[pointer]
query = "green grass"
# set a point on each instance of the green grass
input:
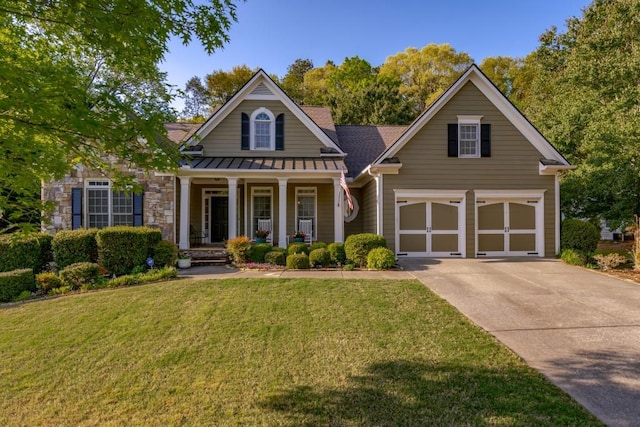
(264, 352)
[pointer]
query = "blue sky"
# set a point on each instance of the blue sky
(271, 34)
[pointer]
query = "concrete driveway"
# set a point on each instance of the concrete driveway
(581, 329)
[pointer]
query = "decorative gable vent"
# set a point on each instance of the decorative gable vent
(261, 89)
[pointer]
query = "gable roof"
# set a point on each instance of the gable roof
(481, 81)
(262, 87)
(178, 132)
(323, 118)
(364, 143)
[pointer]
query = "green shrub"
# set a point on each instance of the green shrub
(317, 245)
(13, 283)
(358, 246)
(298, 261)
(148, 277)
(275, 258)
(336, 251)
(20, 250)
(121, 248)
(165, 253)
(48, 281)
(579, 235)
(297, 248)
(611, 260)
(79, 274)
(348, 267)
(257, 252)
(381, 259)
(72, 246)
(319, 257)
(238, 248)
(24, 295)
(573, 257)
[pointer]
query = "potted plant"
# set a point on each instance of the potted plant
(298, 236)
(261, 236)
(184, 260)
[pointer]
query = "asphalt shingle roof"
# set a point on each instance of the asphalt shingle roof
(364, 143)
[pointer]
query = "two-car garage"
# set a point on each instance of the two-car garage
(446, 223)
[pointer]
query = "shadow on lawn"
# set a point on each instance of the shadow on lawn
(413, 393)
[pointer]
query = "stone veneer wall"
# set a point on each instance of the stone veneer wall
(159, 200)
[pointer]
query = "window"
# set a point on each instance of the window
(261, 202)
(106, 207)
(262, 130)
(306, 209)
(469, 136)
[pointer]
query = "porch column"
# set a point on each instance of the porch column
(380, 204)
(282, 212)
(338, 218)
(185, 200)
(233, 205)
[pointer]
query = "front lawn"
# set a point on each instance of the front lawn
(264, 352)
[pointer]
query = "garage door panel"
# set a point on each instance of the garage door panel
(444, 243)
(413, 216)
(522, 217)
(491, 217)
(413, 243)
(491, 243)
(522, 242)
(444, 216)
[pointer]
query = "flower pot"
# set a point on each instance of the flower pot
(298, 239)
(261, 240)
(184, 262)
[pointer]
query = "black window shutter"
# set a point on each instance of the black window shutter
(76, 208)
(245, 132)
(485, 140)
(280, 132)
(452, 140)
(137, 210)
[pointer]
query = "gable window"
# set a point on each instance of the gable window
(469, 136)
(263, 130)
(106, 206)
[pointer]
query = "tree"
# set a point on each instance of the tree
(316, 84)
(293, 81)
(222, 85)
(79, 82)
(196, 100)
(425, 73)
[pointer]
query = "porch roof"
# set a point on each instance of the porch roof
(297, 164)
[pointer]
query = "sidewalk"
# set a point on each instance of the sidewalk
(228, 272)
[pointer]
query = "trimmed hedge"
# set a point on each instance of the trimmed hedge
(317, 245)
(381, 259)
(319, 257)
(297, 248)
(275, 258)
(165, 254)
(336, 251)
(358, 246)
(122, 248)
(582, 236)
(298, 261)
(257, 252)
(79, 274)
(19, 251)
(72, 246)
(13, 283)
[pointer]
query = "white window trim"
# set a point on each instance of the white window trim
(253, 194)
(315, 208)
(272, 130)
(469, 120)
(98, 184)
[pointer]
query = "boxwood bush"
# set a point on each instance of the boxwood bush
(319, 257)
(358, 246)
(72, 246)
(122, 248)
(317, 245)
(257, 252)
(13, 283)
(298, 261)
(165, 254)
(381, 259)
(582, 236)
(297, 248)
(336, 251)
(275, 258)
(18, 251)
(79, 274)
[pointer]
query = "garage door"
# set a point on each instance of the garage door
(430, 224)
(509, 227)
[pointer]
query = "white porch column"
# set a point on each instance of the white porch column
(282, 212)
(338, 218)
(185, 201)
(233, 207)
(380, 205)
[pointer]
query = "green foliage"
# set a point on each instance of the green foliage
(319, 257)
(381, 259)
(297, 248)
(79, 274)
(348, 267)
(573, 257)
(293, 81)
(25, 250)
(72, 246)
(258, 251)
(47, 281)
(13, 283)
(275, 258)
(336, 251)
(358, 246)
(238, 248)
(580, 235)
(122, 248)
(222, 85)
(165, 253)
(317, 245)
(154, 275)
(24, 295)
(609, 261)
(298, 261)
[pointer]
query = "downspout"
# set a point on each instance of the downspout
(557, 213)
(379, 201)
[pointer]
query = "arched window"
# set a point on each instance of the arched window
(263, 130)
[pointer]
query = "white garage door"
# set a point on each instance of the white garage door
(509, 226)
(430, 223)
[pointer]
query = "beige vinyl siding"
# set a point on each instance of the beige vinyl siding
(513, 164)
(324, 210)
(225, 139)
(368, 208)
(355, 226)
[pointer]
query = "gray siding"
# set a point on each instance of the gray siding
(368, 208)
(355, 226)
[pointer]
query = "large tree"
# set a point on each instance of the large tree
(79, 82)
(222, 85)
(196, 100)
(293, 81)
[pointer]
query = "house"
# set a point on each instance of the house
(470, 177)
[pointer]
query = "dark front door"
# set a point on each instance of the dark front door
(219, 218)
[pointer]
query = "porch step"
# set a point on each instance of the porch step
(208, 256)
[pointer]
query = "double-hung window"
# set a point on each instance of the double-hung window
(306, 210)
(106, 206)
(263, 128)
(469, 136)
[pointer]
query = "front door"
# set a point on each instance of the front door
(219, 218)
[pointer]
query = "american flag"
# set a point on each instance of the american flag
(345, 187)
